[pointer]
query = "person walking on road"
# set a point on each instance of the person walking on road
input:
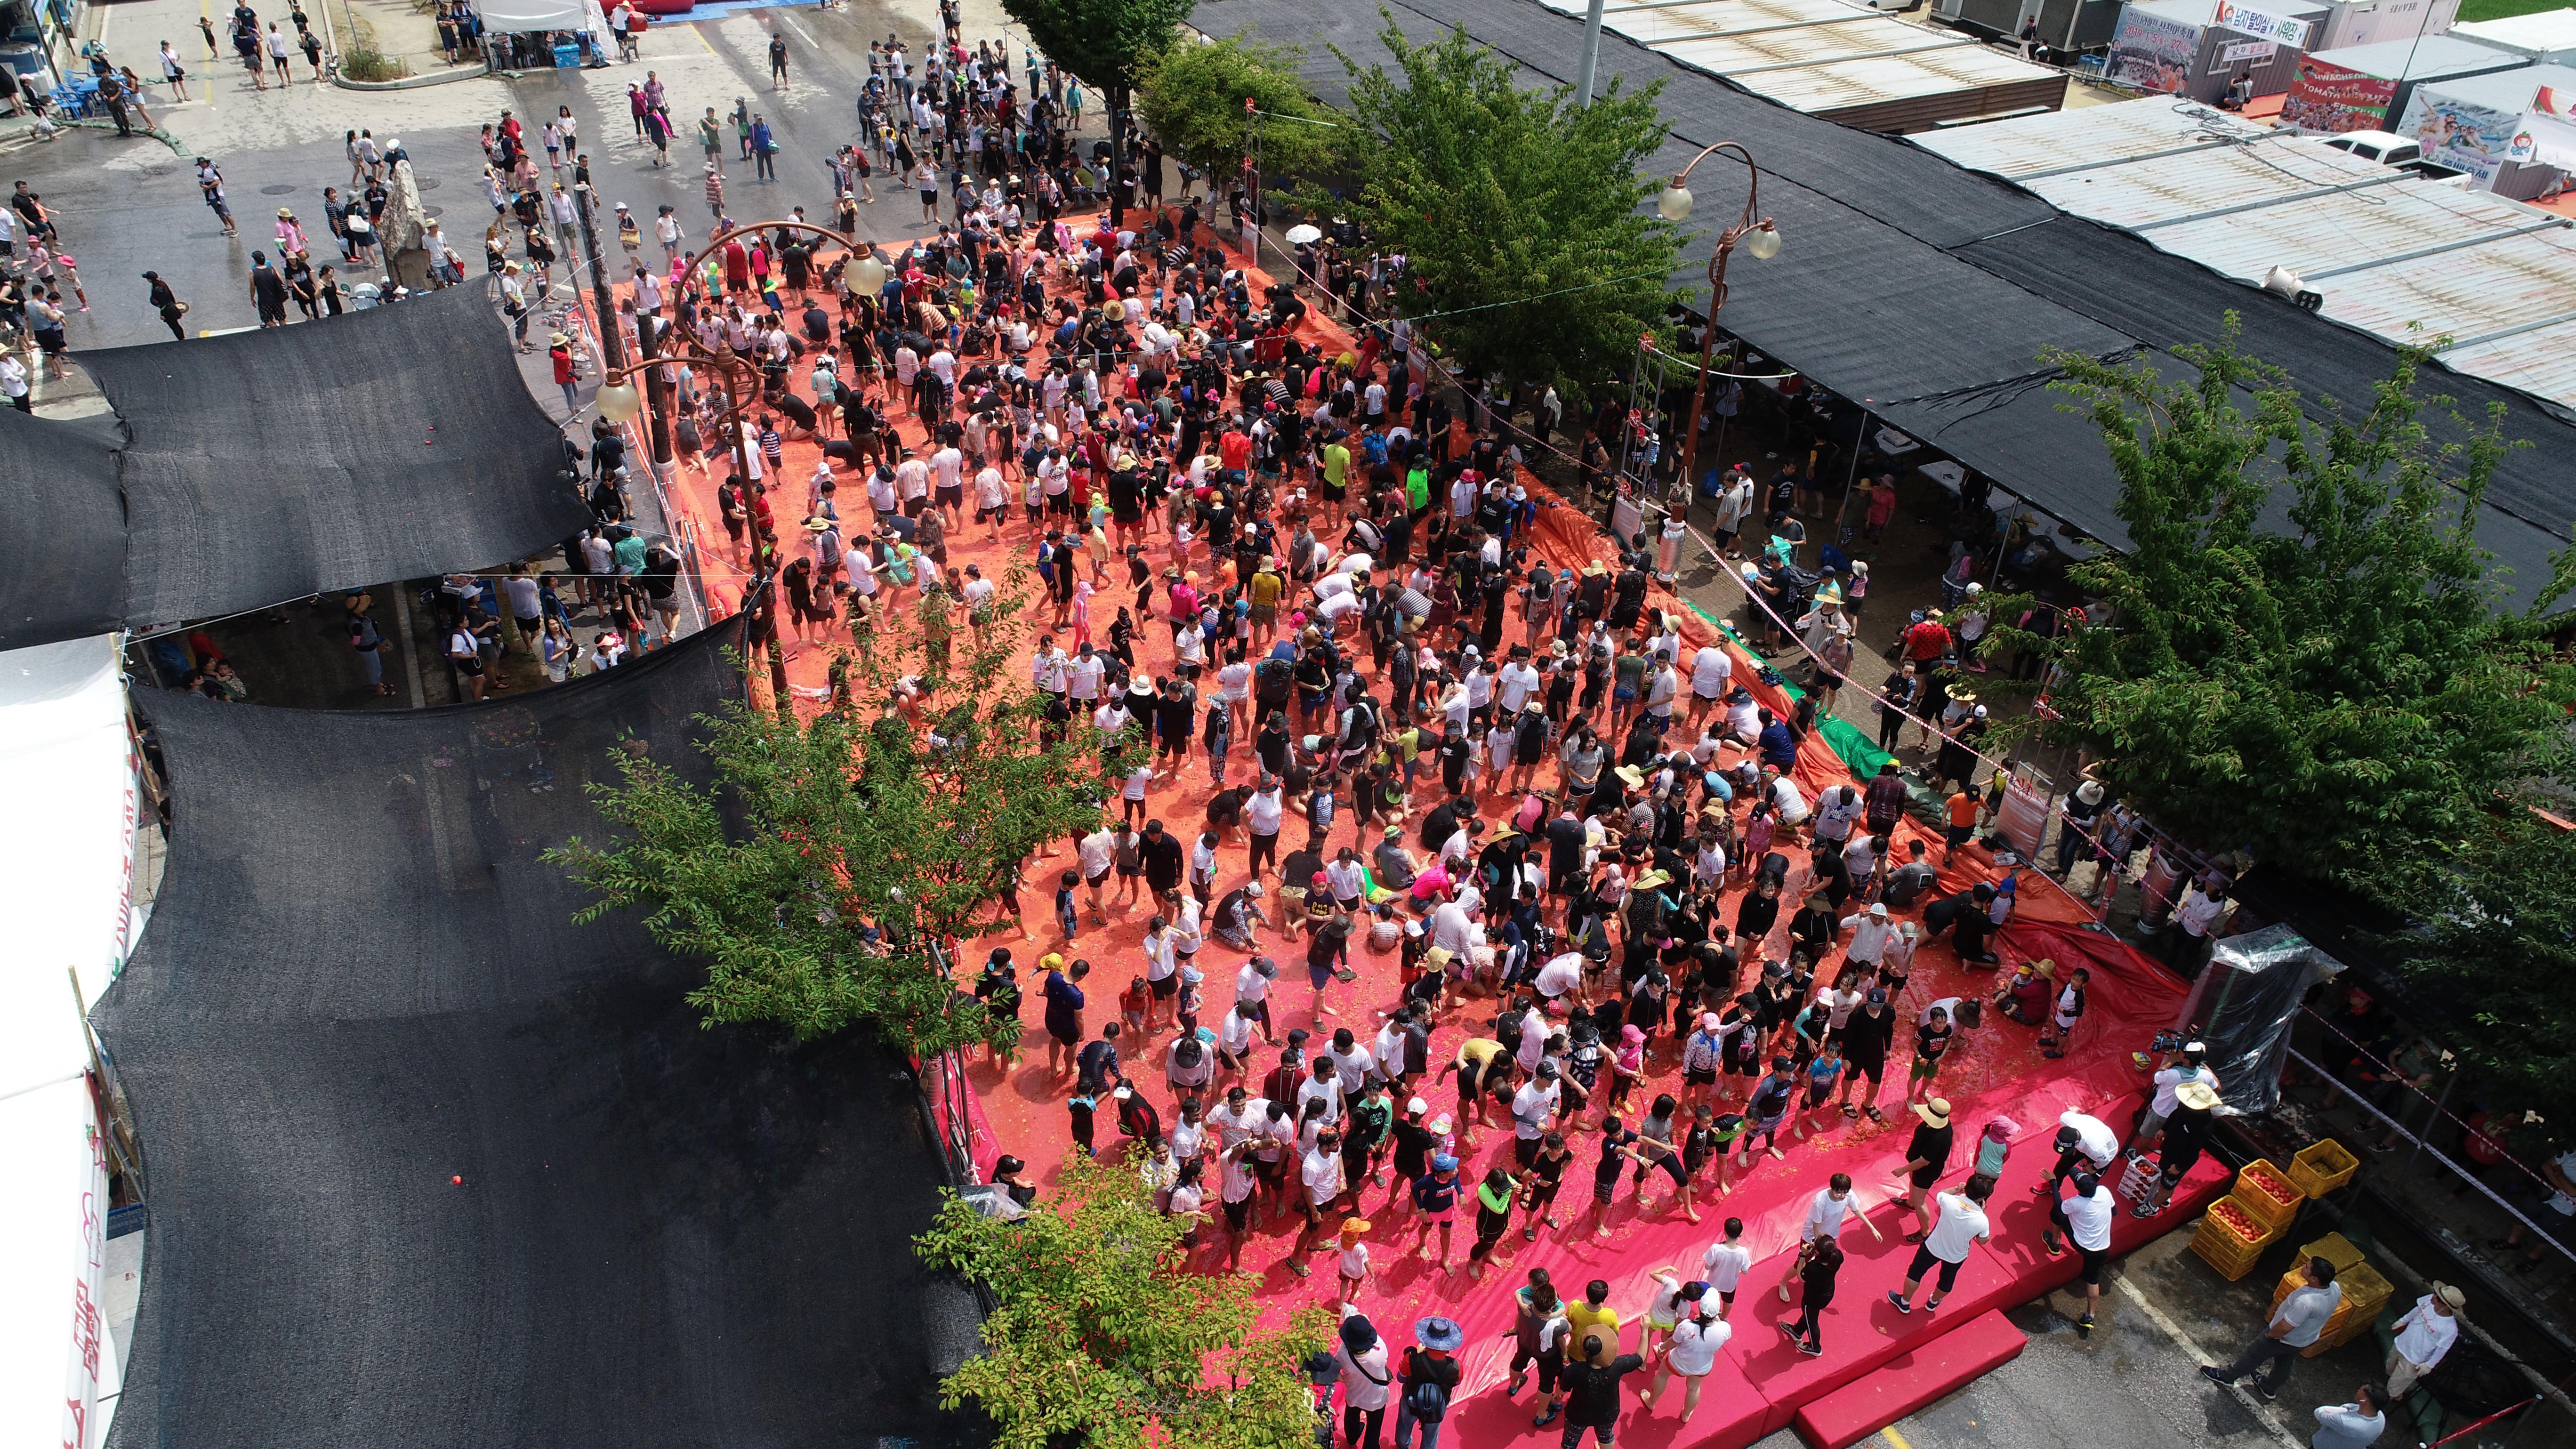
(175, 73)
(267, 291)
(715, 193)
(2298, 1322)
(278, 51)
(764, 147)
(167, 303)
(210, 183)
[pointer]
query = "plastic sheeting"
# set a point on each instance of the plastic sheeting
(2243, 1005)
(245, 470)
(431, 1164)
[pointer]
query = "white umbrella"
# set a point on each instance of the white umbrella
(1304, 232)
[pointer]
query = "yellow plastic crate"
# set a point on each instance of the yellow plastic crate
(2223, 1249)
(2321, 1167)
(2266, 1194)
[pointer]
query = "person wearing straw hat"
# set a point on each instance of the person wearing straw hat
(1926, 1157)
(2185, 1134)
(1429, 1377)
(2425, 1334)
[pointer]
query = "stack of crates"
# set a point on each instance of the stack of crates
(2321, 1167)
(2241, 1225)
(2365, 1291)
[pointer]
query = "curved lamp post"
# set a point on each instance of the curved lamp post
(1755, 233)
(619, 400)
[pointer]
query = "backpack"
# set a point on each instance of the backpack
(1427, 1400)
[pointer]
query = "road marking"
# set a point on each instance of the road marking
(799, 29)
(1894, 1439)
(2191, 1346)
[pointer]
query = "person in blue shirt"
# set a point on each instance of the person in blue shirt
(1063, 1011)
(764, 146)
(1779, 747)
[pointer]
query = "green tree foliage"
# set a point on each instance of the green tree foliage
(1520, 213)
(1191, 96)
(1102, 1337)
(818, 829)
(2498, 949)
(2338, 696)
(1105, 42)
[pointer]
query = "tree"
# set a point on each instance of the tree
(1191, 96)
(2498, 948)
(1104, 1338)
(1520, 213)
(2339, 696)
(823, 873)
(1105, 42)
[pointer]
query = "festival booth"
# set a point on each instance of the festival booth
(2362, 88)
(543, 34)
(2477, 124)
(2198, 49)
(72, 783)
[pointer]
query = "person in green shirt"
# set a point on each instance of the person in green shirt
(1417, 488)
(1337, 468)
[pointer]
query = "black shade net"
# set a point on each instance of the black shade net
(246, 470)
(386, 444)
(360, 983)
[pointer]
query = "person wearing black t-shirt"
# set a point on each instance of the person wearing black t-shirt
(1591, 1383)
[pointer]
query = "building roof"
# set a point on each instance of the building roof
(2539, 34)
(2414, 59)
(1819, 55)
(2488, 284)
(2504, 90)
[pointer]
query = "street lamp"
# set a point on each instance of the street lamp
(619, 401)
(1758, 236)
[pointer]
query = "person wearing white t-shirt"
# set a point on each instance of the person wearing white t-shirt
(2085, 1217)
(2193, 1065)
(1712, 669)
(1561, 975)
(1960, 1224)
(1361, 1357)
(1691, 1348)
(1725, 1264)
(1514, 686)
(1261, 817)
(1321, 1171)
(1825, 1214)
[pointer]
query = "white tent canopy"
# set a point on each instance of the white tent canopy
(510, 17)
(68, 789)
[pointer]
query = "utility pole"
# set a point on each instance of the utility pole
(1591, 53)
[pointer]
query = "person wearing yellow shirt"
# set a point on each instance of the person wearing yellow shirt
(1337, 468)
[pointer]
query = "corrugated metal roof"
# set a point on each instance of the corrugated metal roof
(1734, 55)
(1841, 85)
(2091, 135)
(2549, 30)
(2540, 362)
(1815, 55)
(2431, 55)
(2354, 229)
(2163, 189)
(2466, 296)
(2410, 260)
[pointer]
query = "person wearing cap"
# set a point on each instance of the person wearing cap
(1927, 1155)
(1361, 1356)
(2191, 1064)
(2425, 1334)
(1960, 1226)
(2297, 1322)
(1426, 1381)
(1867, 1035)
(2086, 1217)
(2084, 1142)
(1690, 1350)
(1435, 1200)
